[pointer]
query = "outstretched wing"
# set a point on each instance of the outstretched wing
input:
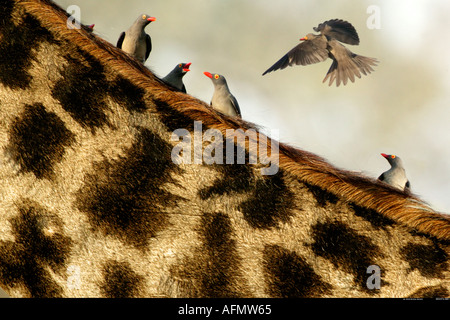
(307, 52)
(347, 65)
(340, 30)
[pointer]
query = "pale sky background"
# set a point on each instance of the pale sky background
(402, 108)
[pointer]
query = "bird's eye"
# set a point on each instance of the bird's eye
(180, 65)
(216, 76)
(393, 157)
(144, 16)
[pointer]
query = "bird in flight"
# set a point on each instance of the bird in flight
(317, 48)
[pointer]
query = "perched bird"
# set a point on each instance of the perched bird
(222, 98)
(396, 175)
(135, 41)
(317, 48)
(175, 77)
(89, 28)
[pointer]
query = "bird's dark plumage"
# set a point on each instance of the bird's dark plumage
(175, 77)
(120, 40)
(317, 48)
(340, 30)
(148, 42)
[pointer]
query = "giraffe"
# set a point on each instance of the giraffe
(93, 205)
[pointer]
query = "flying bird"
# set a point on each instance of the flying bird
(135, 41)
(175, 77)
(317, 48)
(396, 175)
(222, 98)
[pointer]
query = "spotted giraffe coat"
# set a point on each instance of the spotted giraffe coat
(92, 205)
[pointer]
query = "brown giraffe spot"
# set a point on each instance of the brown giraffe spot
(221, 270)
(290, 276)
(128, 95)
(235, 178)
(322, 196)
(213, 273)
(346, 250)
(82, 90)
(17, 53)
(5, 14)
(270, 202)
(432, 292)
(429, 260)
(39, 247)
(125, 197)
(377, 220)
(120, 281)
(38, 140)
(172, 118)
